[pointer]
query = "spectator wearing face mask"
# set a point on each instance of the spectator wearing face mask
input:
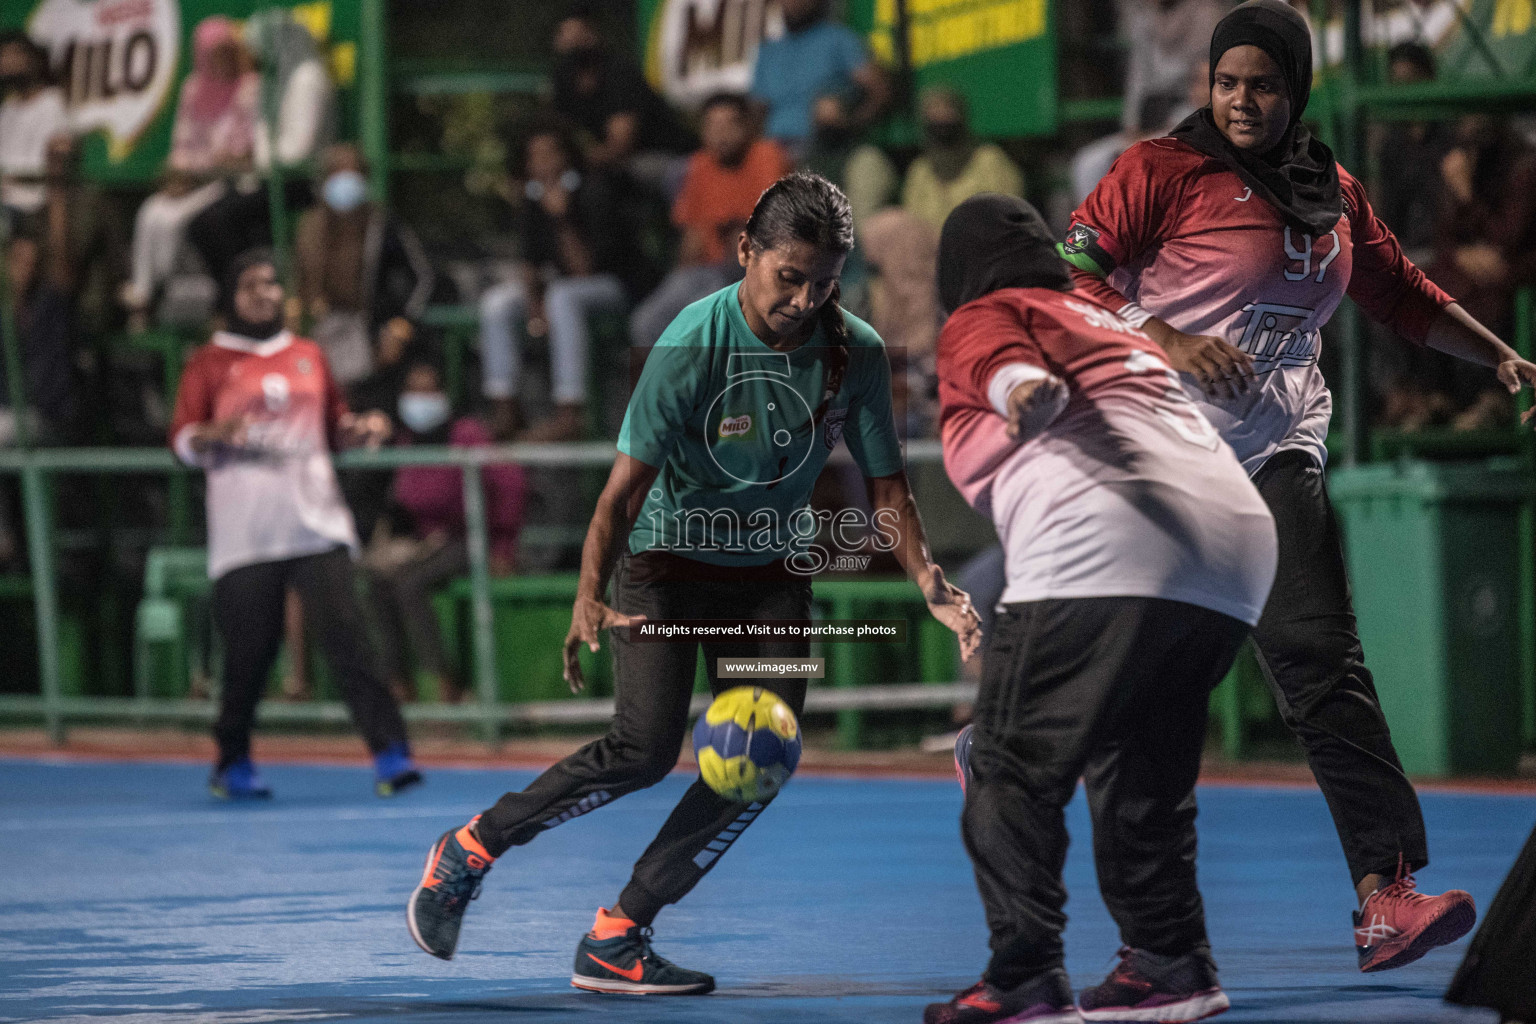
(422, 544)
(31, 114)
(214, 136)
(954, 165)
(723, 182)
(362, 275)
(624, 123)
(813, 56)
(578, 256)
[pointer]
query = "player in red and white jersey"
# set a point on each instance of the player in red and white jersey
(1231, 243)
(259, 411)
(1138, 556)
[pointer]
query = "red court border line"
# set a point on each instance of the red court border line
(1220, 778)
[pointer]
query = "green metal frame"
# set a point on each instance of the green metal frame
(35, 466)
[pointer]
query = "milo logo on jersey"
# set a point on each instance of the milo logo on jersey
(736, 426)
(1275, 336)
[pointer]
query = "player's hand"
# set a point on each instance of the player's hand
(1223, 370)
(1034, 405)
(230, 433)
(952, 606)
(370, 429)
(589, 617)
(1516, 374)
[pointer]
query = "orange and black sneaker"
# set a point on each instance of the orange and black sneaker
(1044, 999)
(1396, 925)
(456, 866)
(616, 957)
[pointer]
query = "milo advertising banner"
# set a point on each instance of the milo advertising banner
(1000, 53)
(121, 62)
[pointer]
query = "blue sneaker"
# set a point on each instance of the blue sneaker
(239, 781)
(963, 756)
(393, 770)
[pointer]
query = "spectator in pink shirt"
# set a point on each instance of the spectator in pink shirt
(407, 565)
(214, 137)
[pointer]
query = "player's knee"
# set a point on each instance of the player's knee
(651, 769)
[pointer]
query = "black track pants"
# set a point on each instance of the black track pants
(1113, 690)
(248, 608)
(1310, 651)
(653, 684)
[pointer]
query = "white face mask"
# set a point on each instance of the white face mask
(345, 191)
(423, 411)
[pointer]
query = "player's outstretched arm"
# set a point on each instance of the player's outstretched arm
(891, 497)
(1457, 333)
(617, 508)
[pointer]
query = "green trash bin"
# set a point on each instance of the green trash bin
(1433, 553)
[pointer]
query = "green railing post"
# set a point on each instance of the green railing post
(483, 639)
(1350, 325)
(1524, 328)
(45, 596)
(373, 95)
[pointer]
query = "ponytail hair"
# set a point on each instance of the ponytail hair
(805, 207)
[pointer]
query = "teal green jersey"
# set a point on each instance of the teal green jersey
(728, 421)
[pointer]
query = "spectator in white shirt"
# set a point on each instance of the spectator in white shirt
(31, 114)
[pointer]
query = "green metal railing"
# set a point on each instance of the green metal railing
(37, 466)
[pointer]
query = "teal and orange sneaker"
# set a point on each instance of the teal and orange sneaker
(239, 781)
(616, 957)
(456, 865)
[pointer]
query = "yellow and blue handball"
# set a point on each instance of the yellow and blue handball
(747, 744)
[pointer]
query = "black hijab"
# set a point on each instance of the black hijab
(233, 321)
(994, 241)
(1299, 176)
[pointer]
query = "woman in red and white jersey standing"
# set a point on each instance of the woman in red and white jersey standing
(1138, 556)
(1230, 243)
(259, 411)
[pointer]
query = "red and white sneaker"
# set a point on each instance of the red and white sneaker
(1396, 925)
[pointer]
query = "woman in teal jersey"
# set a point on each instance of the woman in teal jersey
(706, 516)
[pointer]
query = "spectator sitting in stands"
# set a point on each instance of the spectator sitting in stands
(1408, 380)
(1410, 168)
(1167, 43)
(45, 334)
(95, 250)
(297, 86)
(953, 165)
(32, 113)
(1486, 241)
(1158, 115)
(604, 94)
(363, 278)
(815, 55)
(214, 136)
(576, 258)
(404, 568)
(902, 254)
(836, 152)
(722, 184)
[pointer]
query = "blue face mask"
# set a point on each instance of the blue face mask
(423, 411)
(345, 191)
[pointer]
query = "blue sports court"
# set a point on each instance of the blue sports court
(132, 898)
